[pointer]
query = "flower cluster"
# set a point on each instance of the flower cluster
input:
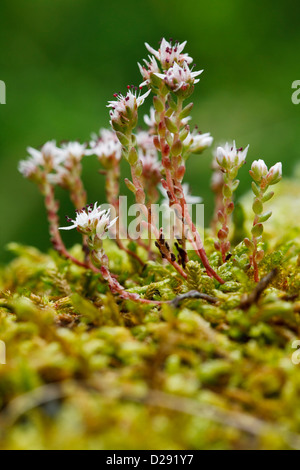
(124, 116)
(171, 66)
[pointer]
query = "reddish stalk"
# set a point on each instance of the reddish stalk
(56, 240)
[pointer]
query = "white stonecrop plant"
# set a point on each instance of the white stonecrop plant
(157, 157)
(263, 179)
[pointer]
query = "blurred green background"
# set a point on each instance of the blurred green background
(63, 59)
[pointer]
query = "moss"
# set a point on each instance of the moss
(88, 370)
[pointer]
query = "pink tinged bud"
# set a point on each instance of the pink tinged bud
(275, 173)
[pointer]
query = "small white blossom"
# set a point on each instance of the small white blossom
(59, 176)
(150, 120)
(106, 145)
(168, 54)
(148, 69)
(179, 77)
(198, 142)
(144, 141)
(72, 150)
(151, 164)
(38, 159)
(91, 221)
(125, 108)
(229, 156)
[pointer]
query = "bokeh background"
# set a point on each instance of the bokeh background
(63, 59)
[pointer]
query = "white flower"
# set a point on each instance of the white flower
(91, 221)
(72, 150)
(39, 159)
(125, 108)
(275, 173)
(179, 77)
(148, 69)
(60, 176)
(229, 156)
(106, 145)
(167, 54)
(144, 141)
(197, 142)
(150, 162)
(189, 199)
(259, 168)
(150, 120)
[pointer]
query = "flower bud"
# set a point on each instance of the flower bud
(275, 173)
(259, 170)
